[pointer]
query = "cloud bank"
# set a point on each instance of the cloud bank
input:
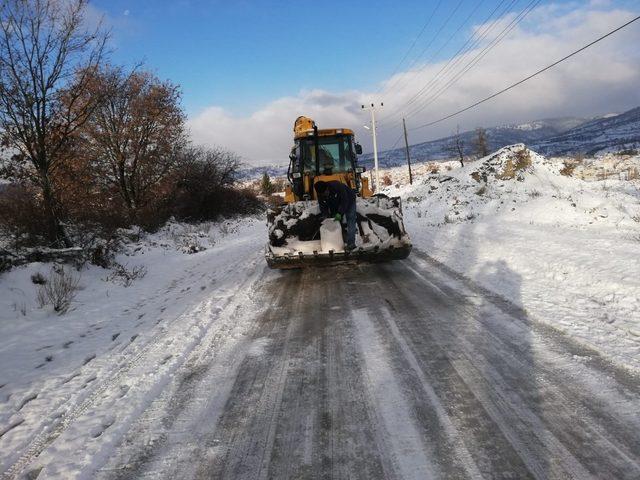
(602, 79)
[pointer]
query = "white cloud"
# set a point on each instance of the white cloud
(604, 78)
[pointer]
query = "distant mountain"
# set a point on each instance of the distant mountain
(249, 173)
(606, 134)
(497, 137)
(552, 136)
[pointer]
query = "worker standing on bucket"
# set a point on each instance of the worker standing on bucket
(338, 201)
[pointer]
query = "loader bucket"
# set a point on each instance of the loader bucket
(295, 239)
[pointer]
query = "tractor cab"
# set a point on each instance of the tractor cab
(329, 154)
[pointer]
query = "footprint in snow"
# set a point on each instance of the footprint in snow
(100, 429)
(26, 400)
(92, 378)
(124, 389)
(114, 336)
(67, 344)
(67, 380)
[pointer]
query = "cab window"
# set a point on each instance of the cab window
(334, 154)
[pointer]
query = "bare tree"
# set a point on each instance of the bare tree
(46, 56)
(136, 133)
(204, 184)
(456, 146)
(481, 143)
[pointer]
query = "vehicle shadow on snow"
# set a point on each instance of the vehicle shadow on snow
(505, 382)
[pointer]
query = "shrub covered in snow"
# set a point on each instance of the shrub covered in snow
(59, 289)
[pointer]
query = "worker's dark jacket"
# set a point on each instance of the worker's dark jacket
(340, 199)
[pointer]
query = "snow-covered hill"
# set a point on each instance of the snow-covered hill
(497, 137)
(555, 136)
(607, 134)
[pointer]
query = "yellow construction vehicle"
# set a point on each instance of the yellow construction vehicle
(296, 227)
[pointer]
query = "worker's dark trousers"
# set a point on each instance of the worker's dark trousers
(351, 225)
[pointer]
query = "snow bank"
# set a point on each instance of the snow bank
(563, 248)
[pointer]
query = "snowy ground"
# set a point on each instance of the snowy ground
(563, 248)
(54, 365)
(211, 365)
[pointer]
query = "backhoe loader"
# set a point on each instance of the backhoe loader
(300, 236)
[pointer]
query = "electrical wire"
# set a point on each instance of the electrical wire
(463, 52)
(415, 40)
(398, 80)
(452, 81)
(520, 82)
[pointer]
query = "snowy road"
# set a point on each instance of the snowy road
(402, 371)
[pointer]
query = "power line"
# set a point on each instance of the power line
(453, 12)
(388, 151)
(451, 36)
(520, 82)
(474, 61)
(452, 71)
(415, 40)
(456, 58)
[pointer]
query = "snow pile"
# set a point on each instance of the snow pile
(523, 185)
(297, 228)
(563, 248)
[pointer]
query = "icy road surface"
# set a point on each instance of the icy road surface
(401, 371)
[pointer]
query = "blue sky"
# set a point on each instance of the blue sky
(239, 54)
(258, 64)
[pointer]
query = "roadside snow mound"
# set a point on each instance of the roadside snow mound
(519, 182)
(509, 163)
(559, 241)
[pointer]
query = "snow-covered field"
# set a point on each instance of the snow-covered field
(50, 362)
(563, 248)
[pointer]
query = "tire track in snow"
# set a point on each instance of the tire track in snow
(609, 408)
(450, 429)
(246, 428)
(541, 423)
(403, 437)
(193, 402)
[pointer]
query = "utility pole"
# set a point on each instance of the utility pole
(406, 146)
(372, 107)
